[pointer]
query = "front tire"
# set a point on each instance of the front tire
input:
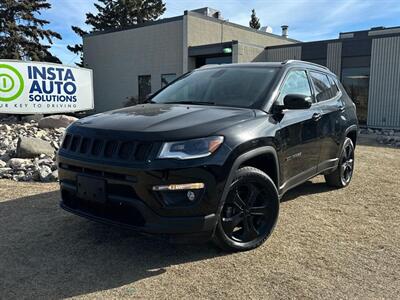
(341, 177)
(249, 213)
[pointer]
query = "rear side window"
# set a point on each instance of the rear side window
(323, 86)
(334, 87)
(295, 83)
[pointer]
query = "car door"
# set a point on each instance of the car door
(298, 133)
(328, 97)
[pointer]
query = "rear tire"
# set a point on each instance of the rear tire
(249, 213)
(341, 177)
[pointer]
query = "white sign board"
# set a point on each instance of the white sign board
(37, 88)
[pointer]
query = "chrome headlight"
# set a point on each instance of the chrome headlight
(190, 149)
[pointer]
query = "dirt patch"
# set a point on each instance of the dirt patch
(327, 244)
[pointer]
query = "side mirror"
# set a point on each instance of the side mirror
(296, 101)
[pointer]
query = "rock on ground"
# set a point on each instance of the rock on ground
(56, 121)
(388, 137)
(44, 173)
(27, 152)
(31, 118)
(30, 147)
(19, 163)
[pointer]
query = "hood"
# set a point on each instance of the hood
(167, 121)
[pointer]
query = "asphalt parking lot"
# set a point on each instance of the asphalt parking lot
(327, 244)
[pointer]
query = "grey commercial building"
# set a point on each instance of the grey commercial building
(136, 61)
(368, 64)
(141, 59)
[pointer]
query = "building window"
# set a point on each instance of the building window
(356, 83)
(167, 78)
(144, 82)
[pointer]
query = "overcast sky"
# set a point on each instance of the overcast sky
(308, 20)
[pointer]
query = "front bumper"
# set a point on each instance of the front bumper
(131, 202)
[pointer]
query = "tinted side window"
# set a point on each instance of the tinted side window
(322, 86)
(334, 87)
(296, 83)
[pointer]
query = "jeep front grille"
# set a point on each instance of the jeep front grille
(106, 149)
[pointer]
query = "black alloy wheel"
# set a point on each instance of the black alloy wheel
(245, 215)
(347, 163)
(341, 177)
(250, 211)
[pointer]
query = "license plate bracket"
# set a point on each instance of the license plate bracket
(91, 189)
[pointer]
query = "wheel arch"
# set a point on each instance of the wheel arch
(350, 132)
(266, 162)
(250, 158)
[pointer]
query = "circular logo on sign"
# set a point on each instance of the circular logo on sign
(11, 83)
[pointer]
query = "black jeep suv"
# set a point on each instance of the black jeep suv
(210, 155)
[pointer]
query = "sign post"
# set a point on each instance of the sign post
(44, 88)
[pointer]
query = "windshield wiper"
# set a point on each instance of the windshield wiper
(192, 102)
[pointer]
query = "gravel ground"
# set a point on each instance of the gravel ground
(327, 244)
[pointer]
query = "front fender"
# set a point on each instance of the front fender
(239, 161)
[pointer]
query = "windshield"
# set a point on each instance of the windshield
(232, 86)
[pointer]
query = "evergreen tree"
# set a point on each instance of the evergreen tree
(22, 35)
(116, 14)
(77, 48)
(254, 21)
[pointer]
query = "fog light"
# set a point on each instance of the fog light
(178, 187)
(191, 195)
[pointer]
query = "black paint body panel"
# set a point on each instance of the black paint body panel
(300, 145)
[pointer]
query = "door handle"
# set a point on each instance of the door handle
(342, 108)
(316, 116)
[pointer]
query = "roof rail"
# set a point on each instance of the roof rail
(208, 66)
(290, 61)
(287, 61)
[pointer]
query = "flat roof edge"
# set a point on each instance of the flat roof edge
(198, 15)
(371, 29)
(145, 24)
(337, 40)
